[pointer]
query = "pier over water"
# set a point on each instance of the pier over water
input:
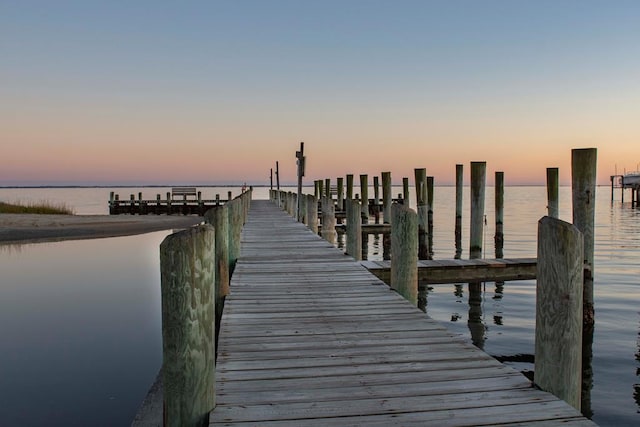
(310, 337)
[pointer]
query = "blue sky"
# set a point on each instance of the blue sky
(85, 82)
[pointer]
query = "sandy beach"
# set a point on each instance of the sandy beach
(32, 228)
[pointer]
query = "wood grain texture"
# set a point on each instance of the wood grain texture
(309, 337)
(354, 229)
(188, 325)
(386, 197)
(477, 190)
(404, 252)
(558, 361)
(328, 220)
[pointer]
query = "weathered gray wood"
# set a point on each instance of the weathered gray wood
(278, 184)
(309, 337)
(349, 186)
(188, 325)
(328, 220)
(552, 193)
(404, 252)
(219, 218)
(364, 196)
(423, 212)
(583, 184)
(446, 271)
(558, 361)
(405, 192)
(312, 213)
(430, 191)
(354, 231)
(300, 160)
(458, 223)
(499, 212)
(478, 178)
(386, 197)
(340, 195)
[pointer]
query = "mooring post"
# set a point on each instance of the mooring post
(386, 197)
(235, 229)
(278, 184)
(552, 193)
(478, 179)
(354, 229)
(404, 252)
(349, 187)
(430, 215)
(312, 213)
(218, 217)
(188, 326)
(364, 195)
(340, 195)
(229, 196)
(327, 187)
(458, 229)
(300, 160)
(376, 199)
(558, 350)
(405, 192)
(583, 183)
(423, 212)
(499, 212)
(328, 220)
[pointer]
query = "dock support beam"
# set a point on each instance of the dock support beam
(404, 252)
(478, 178)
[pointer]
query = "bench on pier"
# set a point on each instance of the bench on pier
(183, 192)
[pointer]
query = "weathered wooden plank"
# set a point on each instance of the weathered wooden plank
(310, 337)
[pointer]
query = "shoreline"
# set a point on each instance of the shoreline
(39, 228)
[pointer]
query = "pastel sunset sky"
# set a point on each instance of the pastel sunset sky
(212, 92)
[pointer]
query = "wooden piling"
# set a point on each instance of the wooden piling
(364, 195)
(404, 252)
(312, 213)
(386, 197)
(376, 199)
(327, 188)
(354, 229)
(340, 195)
(583, 183)
(328, 220)
(552, 193)
(349, 186)
(430, 216)
(423, 212)
(188, 326)
(405, 192)
(478, 179)
(458, 224)
(218, 217)
(499, 212)
(278, 184)
(558, 350)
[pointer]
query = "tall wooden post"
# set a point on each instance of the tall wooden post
(278, 184)
(219, 218)
(300, 161)
(340, 195)
(354, 229)
(423, 212)
(188, 326)
(327, 188)
(312, 213)
(430, 215)
(376, 199)
(478, 179)
(271, 179)
(405, 192)
(404, 250)
(583, 183)
(349, 186)
(558, 358)
(386, 197)
(328, 220)
(499, 209)
(458, 229)
(364, 195)
(552, 193)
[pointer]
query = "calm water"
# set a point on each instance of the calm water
(80, 321)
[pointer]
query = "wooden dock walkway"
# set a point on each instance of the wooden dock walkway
(309, 337)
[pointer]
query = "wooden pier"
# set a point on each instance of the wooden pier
(309, 337)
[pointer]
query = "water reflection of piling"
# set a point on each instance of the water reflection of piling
(475, 323)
